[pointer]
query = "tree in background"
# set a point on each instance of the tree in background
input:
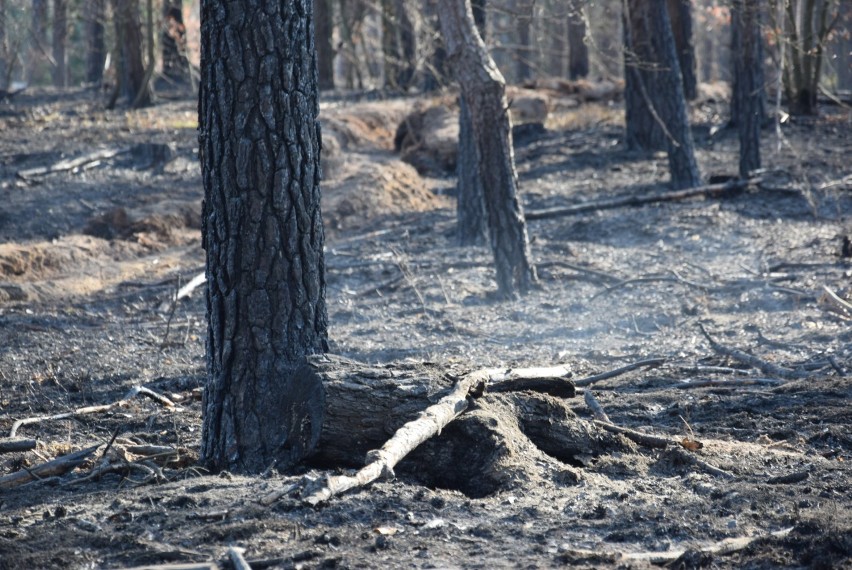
(470, 210)
(747, 100)
(60, 35)
(805, 28)
(37, 42)
(398, 45)
(484, 91)
(324, 33)
(175, 64)
(578, 51)
(95, 45)
(262, 230)
(131, 81)
(680, 15)
(654, 100)
(4, 48)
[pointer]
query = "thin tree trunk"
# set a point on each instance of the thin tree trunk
(96, 50)
(747, 100)
(655, 104)
(398, 45)
(131, 70)
(60, 34)
(324, 32)
(4, 48)
(263, 233)
(37, 42)
(524, 53)
(578, 51)
(680, 15)
(483, 89)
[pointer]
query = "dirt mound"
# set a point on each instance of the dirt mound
(155, 226)
(372, 186)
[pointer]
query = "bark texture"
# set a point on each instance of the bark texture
(655, 105)
(262, 230)
(484, 91)
(131, 70)
(747, 101)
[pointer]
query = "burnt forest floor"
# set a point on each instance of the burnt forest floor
(91, 256)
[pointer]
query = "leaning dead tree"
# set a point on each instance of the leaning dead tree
(484, 92)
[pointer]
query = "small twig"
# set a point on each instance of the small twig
(648, 363)
(700, 463)
(595, 406)
(751, 360)
(236, 555)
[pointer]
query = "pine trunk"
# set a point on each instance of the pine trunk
(484, 91)
(324, 32)
(176, 68)
(680, 15)
(131, 70)
(60, 35)
(747, 101)
(262, 230)
(655, 103)
(578, 51)
(95, 49)
(4, 50)
(471, 215)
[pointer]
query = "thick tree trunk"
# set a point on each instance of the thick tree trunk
(176, 68)
(747, 100)
(578, 51)
(680, 15)
(60, 35)
(131, 70)
(324, 34)
(655, 104)
(483, 89)
(262, 229)
(95, 49)
(470, 210)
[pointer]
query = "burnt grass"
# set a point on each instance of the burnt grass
(86, 283)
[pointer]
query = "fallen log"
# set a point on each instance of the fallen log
(501, 437)
(56, 467)
(723, 190)
(13, 444)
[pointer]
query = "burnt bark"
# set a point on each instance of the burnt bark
(484, 91)
(131, 71)
(680, 15)
(60, 36)
(655, 105)
(578, 51)
(747, 100)
(95, 48)
(470, 210)
(323, 32)
(262, 231)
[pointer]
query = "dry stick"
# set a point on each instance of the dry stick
(58, 466)
(726, 546)
(837, 301)
(65, 165)
(710, 190)
(751, 360)
(237, 559)
(649, 279)
(645, 439)
(597, 409)
(693, 460)
(13, 444)
(382, 461)
(136, 390)
(650, 363)
(729, 383)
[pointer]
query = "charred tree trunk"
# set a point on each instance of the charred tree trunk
(324, 34)
(748, 91)
(680, 15)
(578, 51)
(483, 89)
(263, 233)
(176, 67)
(471, 215)
(655, 104)
(131, 71)
(95, 49)
(60, 35)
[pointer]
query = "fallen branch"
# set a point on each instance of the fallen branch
(597, 409)
(380, 463)
(548, 380)
(728, 383)
(235, 554)
(840, 305)
(648, 363)
(724, 190)
(726, 546)
(56, 467)
(13, 444)
(691, 459)
(645, 439)
(753, 361)
(70, 164)
(87, 410)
